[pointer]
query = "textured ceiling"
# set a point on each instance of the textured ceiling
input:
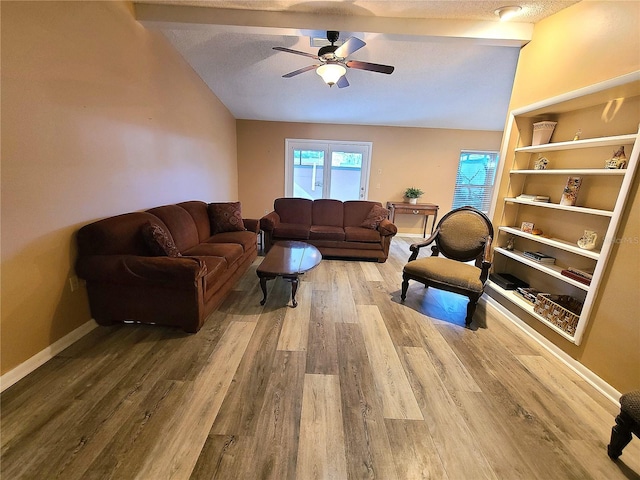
(454, 61)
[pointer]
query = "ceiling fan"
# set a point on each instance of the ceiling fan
(333, 63)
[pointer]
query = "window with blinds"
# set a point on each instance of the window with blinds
(474, 182)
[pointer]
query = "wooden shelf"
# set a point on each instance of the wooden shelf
(551, 270)
(567, 208)
(516, 299)
(616, 140)
(553, 242)
(575, 171)
(579, 158)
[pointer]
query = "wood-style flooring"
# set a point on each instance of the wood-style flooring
(351, 384)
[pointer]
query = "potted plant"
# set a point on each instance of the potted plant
(413, 194)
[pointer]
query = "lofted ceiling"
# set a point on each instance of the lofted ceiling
(454, 60)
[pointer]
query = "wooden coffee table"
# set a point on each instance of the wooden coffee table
(288, 260)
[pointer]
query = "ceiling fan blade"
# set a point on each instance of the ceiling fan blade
(343, 82)
(299, 71)
(347, 48)
(297, 52)
(372, 67)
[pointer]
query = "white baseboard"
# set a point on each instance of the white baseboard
(410, 235)
(587, 375)
(45, 355)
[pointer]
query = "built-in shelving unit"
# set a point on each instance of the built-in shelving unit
(601, 199)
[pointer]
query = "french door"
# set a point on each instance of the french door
(327, 169)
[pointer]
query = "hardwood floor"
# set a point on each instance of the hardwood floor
(350, 384)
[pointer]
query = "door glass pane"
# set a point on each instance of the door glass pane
(346, 170)
(308, 172)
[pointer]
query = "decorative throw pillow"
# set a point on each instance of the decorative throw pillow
(159, 241)
(375, 216)
(225, 217)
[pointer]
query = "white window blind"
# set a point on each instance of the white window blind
(474, 182)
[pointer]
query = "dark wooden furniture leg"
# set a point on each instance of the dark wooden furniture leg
(620, 435)
(471, 308)
(294, 289)
(405, 287)
(263, 286)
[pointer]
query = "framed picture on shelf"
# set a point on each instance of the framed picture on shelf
(527, 227)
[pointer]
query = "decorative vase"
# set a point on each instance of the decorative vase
(570, 192)
(413, 201)
(588, 240)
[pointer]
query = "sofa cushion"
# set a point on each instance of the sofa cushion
(216, 268)
(361, 234)
(231, 252)
(325, 232)
(225, 217)
(449, 272)
(327, 212)
(180, 224)
(294, 210)
(292, 231)
(200, 215)
(248, 240)
(375, 216)
(159, 240)
(119, 235)
(355, 211)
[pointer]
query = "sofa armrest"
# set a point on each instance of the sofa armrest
(387, 228)
(181, 272)
(269, 221)
(252, 225)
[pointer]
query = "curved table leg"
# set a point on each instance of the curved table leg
(263, 286)
(294, 289)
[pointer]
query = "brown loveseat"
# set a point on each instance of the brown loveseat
(169, 265)
(355, 228)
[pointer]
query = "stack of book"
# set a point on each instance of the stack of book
(581, 276)
(529, 294)
(539, 257)
(533, 198)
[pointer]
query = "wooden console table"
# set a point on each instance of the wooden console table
(424, 209)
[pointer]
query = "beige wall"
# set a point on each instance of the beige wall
(401, 158)
(587, 43)
(99, 117)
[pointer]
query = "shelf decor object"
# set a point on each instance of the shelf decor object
(588, 240)
(561, 310)
(605, 187)
(542, 132)
(619, 159)
(541, 163)
(570, 192)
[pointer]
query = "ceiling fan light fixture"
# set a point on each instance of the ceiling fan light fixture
(331, 72)
(506, 13)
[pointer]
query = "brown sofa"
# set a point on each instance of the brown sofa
(334, 227)
(128, 280)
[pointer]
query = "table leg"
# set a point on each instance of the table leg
(294, 289)
(263, 286)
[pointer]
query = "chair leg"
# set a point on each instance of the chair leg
(471, 308)
(405, 287)
(620, 435)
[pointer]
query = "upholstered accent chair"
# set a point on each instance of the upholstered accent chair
(462, 235)
(627, 422)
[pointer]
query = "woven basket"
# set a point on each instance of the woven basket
(542, 132)
(561, 310)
